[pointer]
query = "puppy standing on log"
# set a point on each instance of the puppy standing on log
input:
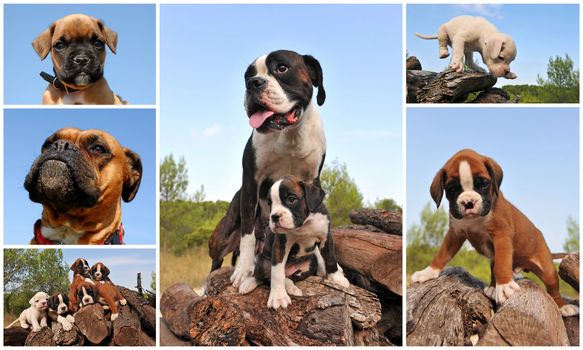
(59, 311)
(80, 179)
(36, 314)
(495, 228)
(298, 243)
(81, 275)
(466, 34)
(77, 47)
(288, 138)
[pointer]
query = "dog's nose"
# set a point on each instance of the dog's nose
(275, 217)
(468, 204)
(61, 145)
(255, 83)
(81, 59)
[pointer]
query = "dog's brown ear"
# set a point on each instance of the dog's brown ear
(316, 76)
(494, 47)
(132, 176)
(110, 36)
(314, 195)
(105, 270)
(42, 43)
(74, 266)
(495, 172)
(437, 186)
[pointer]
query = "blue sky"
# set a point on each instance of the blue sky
(537, 148)
(123, 264)
(24, 133)
(131, 73)
(205, 50)
(540, 32)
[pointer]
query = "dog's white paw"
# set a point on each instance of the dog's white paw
(123, 302)
(43, 322)
(569, 310)
(36, 328)
(105, 307)
(278, 298)
(504, 291)
(67, 326)
(248, 285)
(426, 274)
(70, 318)
(292, 289)
(24, 325)
(338, 278)
(114, 316)
(245, 264)
(490, 292)
(457, 66)
(443, 52)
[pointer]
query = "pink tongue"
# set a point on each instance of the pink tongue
(258, 118)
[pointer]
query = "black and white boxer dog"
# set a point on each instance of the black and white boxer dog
(287, 138)
(298, 243)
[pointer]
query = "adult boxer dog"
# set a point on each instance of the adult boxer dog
(100, 273)
(80, 178)
(468, 34)
(298, 243)
(287, 138)
(81, 275)
(77, 47)
(36, 315)
(59, 311)
(479, 213)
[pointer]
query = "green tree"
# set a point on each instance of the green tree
(173, 179)
(199, 195)
(153, 282)
(431, 230)
(572, 242)
(388, 204)
(342, 194)
(560, 73)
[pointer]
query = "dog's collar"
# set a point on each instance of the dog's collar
(115, 239)
(54, 81)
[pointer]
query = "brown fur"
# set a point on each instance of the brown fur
(109, 295)
(78, 279)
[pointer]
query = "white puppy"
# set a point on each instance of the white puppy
(36, 314)
(468, 34)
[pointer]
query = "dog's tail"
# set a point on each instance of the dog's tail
(13, 323)
(426, 37)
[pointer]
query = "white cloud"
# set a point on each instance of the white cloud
(212, 130)
(485, 10)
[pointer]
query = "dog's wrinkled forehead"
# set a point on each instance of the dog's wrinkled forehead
(266, 65)
(464, 165)
(83, 137)
(290, 185)
(76, 28)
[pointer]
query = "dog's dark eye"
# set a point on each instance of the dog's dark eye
(98, 43)
(98, 149)
(59, 45)
(291, 200)
(282, 68)
(482, 183)
(501, 57)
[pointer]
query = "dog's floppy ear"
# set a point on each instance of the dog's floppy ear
(42, 43)
(314, 195)
(437, 186)
(316, 76)
(74, 266)
(31, 301)
(110, 36)
(105, 270)
(495, 172)
(494, 47)
(132, 176)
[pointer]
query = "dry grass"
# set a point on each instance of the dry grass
(191, 268)
(9, 318)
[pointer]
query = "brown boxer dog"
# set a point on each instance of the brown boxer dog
(479, 213)
(81, 275)
(80, 178)
(77, 47)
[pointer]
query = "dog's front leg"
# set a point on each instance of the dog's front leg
(43, 321)
(246, 262)
(452, 243)
(333, 270)
(505, 285)
(35, 325)
(457, 63)
(277, 294)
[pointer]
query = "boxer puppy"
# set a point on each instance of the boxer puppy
(80, 178)
(59, 311)
(36, 315)
(479, 213)
(299, 230)
(287, 138)
(105, 294)
(86, 294)
(81, 275)
(100, 273)
(468, 34)
(77, 47)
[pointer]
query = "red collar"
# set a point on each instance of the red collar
(114, 239)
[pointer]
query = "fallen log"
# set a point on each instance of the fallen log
(147, 314)
(15, 336)
(126, 328)
(44, 337)
(387, 221)
(569, 270)
(572, 326)
(375, 256)
(91, 322)
(417, 80)
(494, 95)
(413, 63)
(66, 338)
(175, 306)
(167, 338)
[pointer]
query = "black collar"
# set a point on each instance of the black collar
(53, 80)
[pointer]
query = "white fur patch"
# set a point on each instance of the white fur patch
(273, 96)
(426, 274)
(469, 194)
(278, 296)
(339, 278)
(286, 218)
(569, 310)
(63, 234)
(248, 285)
(505, 291)
(246, 262)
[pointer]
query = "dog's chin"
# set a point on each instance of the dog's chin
(83, 79)
(277, 228)
(43, 308)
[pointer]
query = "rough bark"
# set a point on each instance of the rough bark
(569, 270)
(448, 310)
(387, 221)
(66, 338)
(416, 81)
(175, 306)
(91, 322)
(375, 256)
(146, 312)
(126, 328)
(413, 63)
(44, 337)
(15, 336)
(572, 326)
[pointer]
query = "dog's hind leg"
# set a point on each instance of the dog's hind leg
(443, 40)
(548, 274)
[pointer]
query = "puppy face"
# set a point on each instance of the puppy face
(291, 201)
(279, 87)
(83, 169)
(471, 183)
(500, 52)
(39, 301)
(59, 303)
(99, 272)
(87, 294)
(77, 46)
(80, 267)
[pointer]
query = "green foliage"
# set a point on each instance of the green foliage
(27, 271)
(153, 282)
(342, 194)
(388, 204)
(431, 230)
(572, 242)
(173, 179)
(560, 73)
(184, 224)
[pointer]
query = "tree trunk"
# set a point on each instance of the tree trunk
(446, 87)
(384, 220)
(91, 322)
(142, 307)
(569, 270)
(376, 257)
(126, 328)
(66, 338)
(15, 335)
(449, 310)
(44, 337)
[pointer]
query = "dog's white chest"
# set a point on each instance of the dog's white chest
(476, 232)
(74, 98)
